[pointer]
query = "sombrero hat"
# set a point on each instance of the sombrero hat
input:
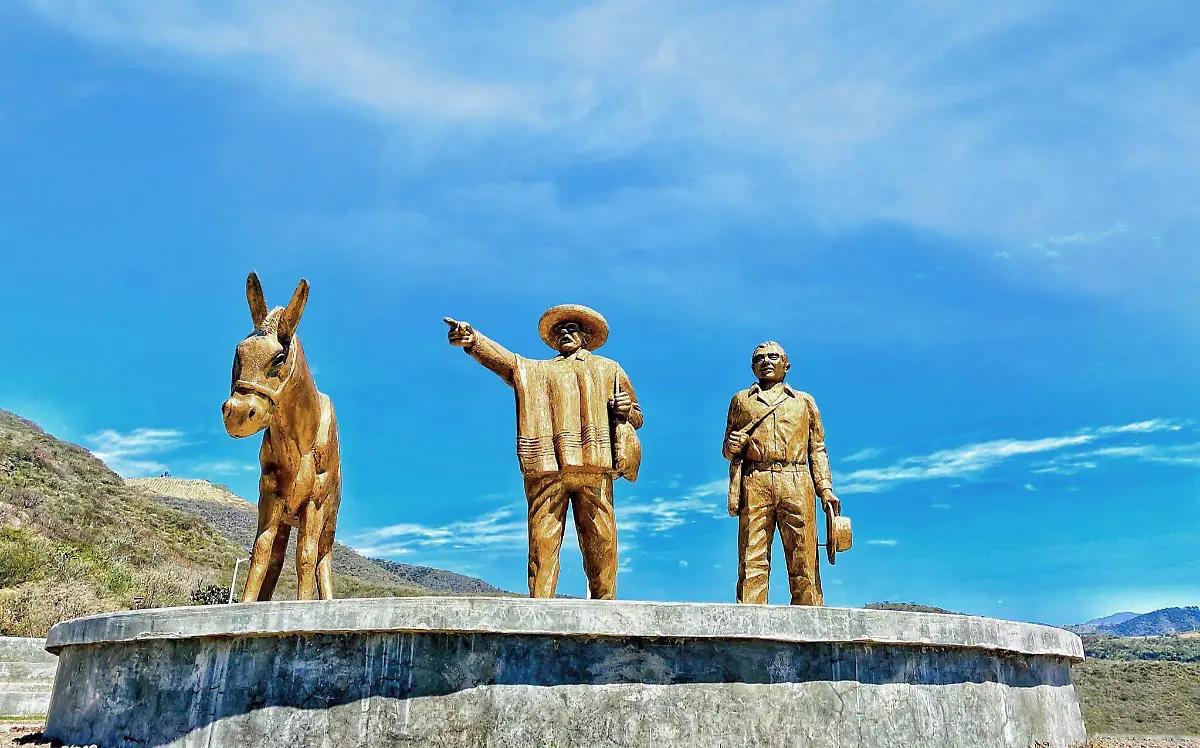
(589, 319)
(839, 535)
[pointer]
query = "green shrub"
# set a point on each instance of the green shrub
(23, 556)
(1129, 649)
(212, 594)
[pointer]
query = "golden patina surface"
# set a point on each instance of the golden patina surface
(576, 420)
(301, 481)
(775, 442)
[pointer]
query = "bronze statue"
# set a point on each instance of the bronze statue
(301, 481)
(576, 415)
(776, 446)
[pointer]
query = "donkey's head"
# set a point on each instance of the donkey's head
(264, 362)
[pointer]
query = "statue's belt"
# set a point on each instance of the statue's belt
(776, 466)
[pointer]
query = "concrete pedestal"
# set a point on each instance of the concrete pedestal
(26, 677)
(519, 673)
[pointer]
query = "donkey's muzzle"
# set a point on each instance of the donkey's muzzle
(246, 414)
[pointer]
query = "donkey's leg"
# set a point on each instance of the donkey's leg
(325, 560)
(312, 520)
(260, 560)
(278, 556)
(270, 513)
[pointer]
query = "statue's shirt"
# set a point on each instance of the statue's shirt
(793, 435)
(563, 422)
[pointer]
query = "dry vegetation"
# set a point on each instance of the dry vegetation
(1174, 648)
(1139, 698)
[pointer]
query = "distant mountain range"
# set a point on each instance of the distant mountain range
(439, 579)
(1092, 626)
(1164, 622)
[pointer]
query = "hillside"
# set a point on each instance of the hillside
(1159, 623)
(1139, 698)
(907, 607)
(439, 579)
(236, 519)
(1092, 626)
(76, 540)
(188, 488)
(1178, 648)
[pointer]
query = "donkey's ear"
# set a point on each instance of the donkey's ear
(258, 302)
(295, 308)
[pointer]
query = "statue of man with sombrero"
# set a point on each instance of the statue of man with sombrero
(775, 442)
(576, 415)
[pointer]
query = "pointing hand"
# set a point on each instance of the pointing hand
(461, 334)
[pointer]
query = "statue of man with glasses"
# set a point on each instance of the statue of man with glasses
(576, 415)
(776, 440)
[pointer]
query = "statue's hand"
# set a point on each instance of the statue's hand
(736, 442)
(461, 334)
(622, 404)
(831, 503)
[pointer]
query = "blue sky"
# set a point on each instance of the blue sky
(974, 229)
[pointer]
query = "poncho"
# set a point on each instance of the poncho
(563, 420)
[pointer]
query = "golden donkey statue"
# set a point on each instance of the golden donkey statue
(301, 481)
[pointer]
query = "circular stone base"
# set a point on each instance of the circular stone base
(507, 672)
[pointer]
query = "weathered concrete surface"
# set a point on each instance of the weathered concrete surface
(503, 672)
(26, 677)
(572, 618)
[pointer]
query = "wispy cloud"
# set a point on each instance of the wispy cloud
(1143, 427)
(1088, 238)
(364, 54)
(862, 455)
(222, 467)
(836, 99)
(959, 462)
(1185, 455)
(500, 529)
(662, 514)
(504, 530)
(973, 459)
(887, 542)
(130, 454)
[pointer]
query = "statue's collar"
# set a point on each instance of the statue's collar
(756, 391)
